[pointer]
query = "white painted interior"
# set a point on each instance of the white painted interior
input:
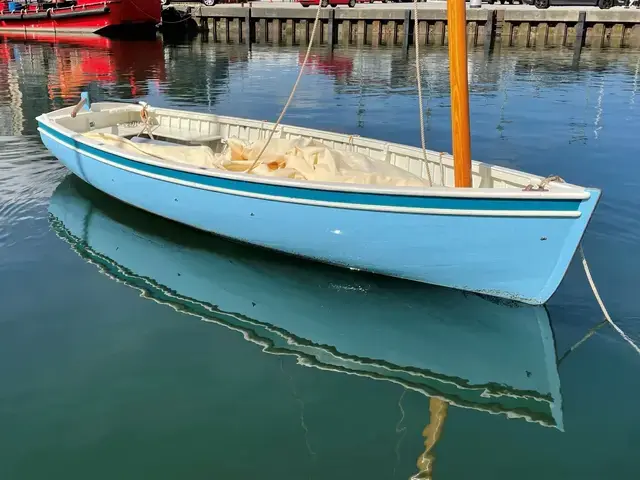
(208, 129)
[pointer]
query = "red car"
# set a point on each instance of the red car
(326, 3)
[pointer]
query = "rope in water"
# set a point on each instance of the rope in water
(542, 186)
(416, 42)
(293, 91)
(601, 303)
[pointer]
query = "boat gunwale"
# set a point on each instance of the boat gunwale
(572, 192)
(334, 204)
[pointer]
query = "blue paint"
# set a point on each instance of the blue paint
(330, 196)
(522, 258)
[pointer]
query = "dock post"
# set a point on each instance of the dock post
(304, 35)
(580, 33)
(407, 27)
(277, 30)
(204, 25)
(290, 32)
(247, 26)
(489, 31)
(264, 29)
(214, 29)
(331, 28)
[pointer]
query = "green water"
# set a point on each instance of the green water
(131, 347)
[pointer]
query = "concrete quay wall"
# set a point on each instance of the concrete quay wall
(518, 27)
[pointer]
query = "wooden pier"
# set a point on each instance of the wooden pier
(513, 27)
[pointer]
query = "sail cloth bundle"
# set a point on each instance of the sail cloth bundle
(300, 159)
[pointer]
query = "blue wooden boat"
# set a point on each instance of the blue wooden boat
(510, 235)
(470, 351)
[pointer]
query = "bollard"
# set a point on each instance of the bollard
(475, 3)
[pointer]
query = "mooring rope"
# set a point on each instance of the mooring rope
(601, 303)
(144, 116)
(293, 91)
(416, 42)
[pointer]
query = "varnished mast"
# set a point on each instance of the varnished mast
(457, 25)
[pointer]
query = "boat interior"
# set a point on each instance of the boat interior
(209, 141)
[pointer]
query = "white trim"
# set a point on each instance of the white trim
(488, 193)
(348, 206)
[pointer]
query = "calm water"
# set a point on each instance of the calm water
(131, 347)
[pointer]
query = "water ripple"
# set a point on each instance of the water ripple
(28, 176)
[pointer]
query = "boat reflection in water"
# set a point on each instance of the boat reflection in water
(457, 348)
(71, 62)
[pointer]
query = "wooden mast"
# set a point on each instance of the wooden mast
(457, 25)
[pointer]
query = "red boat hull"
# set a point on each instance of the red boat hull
(104, 17)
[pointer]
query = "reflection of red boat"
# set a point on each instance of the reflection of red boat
(333, 65)
(80, 16)
(82, 59)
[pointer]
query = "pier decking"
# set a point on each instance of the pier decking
(377, 24)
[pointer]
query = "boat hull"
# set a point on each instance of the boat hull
(109, 17)
(473, 248)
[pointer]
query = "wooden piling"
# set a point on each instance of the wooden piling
(290, 32)
(331, 34)
(438, 34)
(376, 33)
(214, 29)
(579, 42)
(345, 27)
(421, 35)
(507, 34)
(248, 27)
(407, 30)
(472, 34)
(277, 30)
(542, 34)
(634, 42)
(597, 35)
(264, 30)
(617, 35)
(361, 32)
(489, 31)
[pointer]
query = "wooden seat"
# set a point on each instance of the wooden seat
(183, 137)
